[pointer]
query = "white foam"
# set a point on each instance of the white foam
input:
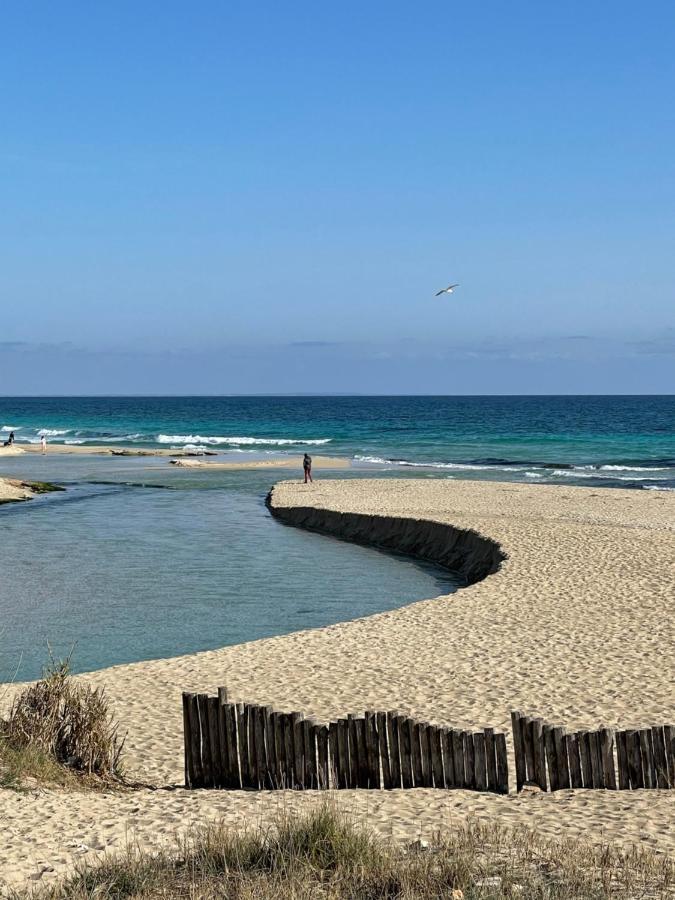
(7, 428)
(656, 487)
(200, 439)
(463, 467)
(534, 475)
(53, 432)
(633, 468)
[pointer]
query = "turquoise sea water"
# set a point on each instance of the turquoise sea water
(138, 559)
(627, 441)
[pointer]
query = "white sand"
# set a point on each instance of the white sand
(288, 462)
(577, 626)
(11, 489)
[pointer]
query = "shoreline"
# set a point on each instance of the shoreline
(575, 625)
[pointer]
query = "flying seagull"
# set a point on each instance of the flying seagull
(448, 290)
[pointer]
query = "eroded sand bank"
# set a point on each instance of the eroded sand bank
(577, 625)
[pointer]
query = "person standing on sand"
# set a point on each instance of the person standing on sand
(307, 466)
(43, 442)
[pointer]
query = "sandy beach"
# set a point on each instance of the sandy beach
(178, 457)
(577, 626)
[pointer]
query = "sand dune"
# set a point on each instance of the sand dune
(577, 626)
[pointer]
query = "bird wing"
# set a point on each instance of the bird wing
(439, 293)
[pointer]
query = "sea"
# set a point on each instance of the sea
(137, 559)
(600, 441)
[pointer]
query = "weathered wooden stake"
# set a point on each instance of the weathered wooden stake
(383, 750)
(479, 762)
(393, 736)
(502, 763)
(519, 748)
(660, 758)
(576, 780)
(405, 736)
(606, 737)
(490, 758)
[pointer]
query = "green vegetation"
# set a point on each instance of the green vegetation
(59, 732)
(42, 487)
(322, 854)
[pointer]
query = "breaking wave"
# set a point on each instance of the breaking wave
(236, 441)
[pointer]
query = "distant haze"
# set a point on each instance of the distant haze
(251, 198)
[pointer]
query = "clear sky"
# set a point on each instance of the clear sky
(262, 196)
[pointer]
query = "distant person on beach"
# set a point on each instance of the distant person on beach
(307, 466)
(10, 440)
(43, 442)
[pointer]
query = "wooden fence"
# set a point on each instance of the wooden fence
(243, 745)
(554, 759)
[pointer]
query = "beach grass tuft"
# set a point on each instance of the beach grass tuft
(324, 854)
(57, 727)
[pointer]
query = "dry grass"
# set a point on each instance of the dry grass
(57, 727)
(324, 855)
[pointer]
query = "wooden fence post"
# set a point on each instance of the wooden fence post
(576, 780)
(298, 750)
(536, 729)
(518, 748)
(190, 754)
(648, 771)
(289, 751)
(344, 756)
(560, 742)
(322, 759)
(634, 753)
(660, 758)
(448, 758)
(479, 761)
(393, 738)
(436, 748)
(607, 758)
(203, 712)
(405, 736)
(502, 763)
(490, 758)
(585, 755)
(384, 750)
(458, 758)
(212, 709)
(669, 737)
(372, 742)
(551, 760)
(467, 744)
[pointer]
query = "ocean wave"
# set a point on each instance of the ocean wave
(7, 428)
(215, 441)
(534, 474)
(608, 468)
(657, 487)
(435, 465)
(53, 432)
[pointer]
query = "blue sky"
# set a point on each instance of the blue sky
(251, 197)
